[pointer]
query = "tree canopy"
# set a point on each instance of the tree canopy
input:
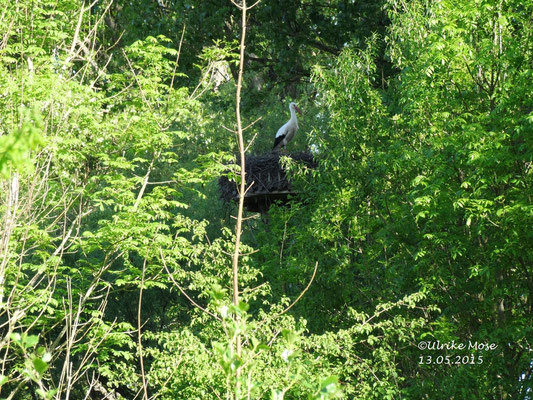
(402, 269)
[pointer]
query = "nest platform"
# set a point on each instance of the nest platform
(270, 182)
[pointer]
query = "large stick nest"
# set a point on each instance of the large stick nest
(269, 180)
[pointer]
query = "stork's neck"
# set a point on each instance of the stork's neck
(293, 114)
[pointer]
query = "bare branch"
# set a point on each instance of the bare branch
(243, 7)
(303, 291)
(248, 188)
(183, 291)
(250, 143)
(238, 225)
(228, 129)
(254, 216)
(253, 5)
(76, 32)
(177, 57)
(145, 181)
(139, 334)
(252, 124)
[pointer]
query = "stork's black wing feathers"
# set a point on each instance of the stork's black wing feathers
(278, 140)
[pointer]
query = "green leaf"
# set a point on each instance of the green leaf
(289, 336)
(40, 365)
(16, 337)
(243, 307)
(30, 341)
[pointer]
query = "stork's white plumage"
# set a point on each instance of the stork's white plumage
(286, 132)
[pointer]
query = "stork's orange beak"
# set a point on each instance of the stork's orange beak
(298, 109)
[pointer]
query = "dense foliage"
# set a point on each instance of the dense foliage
(415, 229)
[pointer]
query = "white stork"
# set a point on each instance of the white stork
(287, 131)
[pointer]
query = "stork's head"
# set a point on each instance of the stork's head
(293, 106)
